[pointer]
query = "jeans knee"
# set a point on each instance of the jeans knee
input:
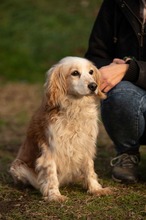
(123, 110)
(124, 96)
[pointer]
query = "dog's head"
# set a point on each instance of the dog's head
(72, 76)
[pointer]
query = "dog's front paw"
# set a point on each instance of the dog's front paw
(101, 191)
(56, 198)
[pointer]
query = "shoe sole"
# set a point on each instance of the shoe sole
(124, 181)
(116, 180)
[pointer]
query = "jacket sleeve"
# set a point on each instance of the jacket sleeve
(141, 79)
(136, 73)
(100, 49)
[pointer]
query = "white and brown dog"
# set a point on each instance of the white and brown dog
(60, 144)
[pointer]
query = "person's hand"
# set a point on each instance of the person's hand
(112, 74)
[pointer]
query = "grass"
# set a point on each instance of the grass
(33, 36)
(36, 34)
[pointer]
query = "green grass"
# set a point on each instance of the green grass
(36, 34)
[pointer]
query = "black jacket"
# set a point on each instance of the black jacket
(119, 32)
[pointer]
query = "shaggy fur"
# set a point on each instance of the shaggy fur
(60, 143)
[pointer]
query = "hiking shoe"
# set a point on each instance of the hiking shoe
(125, 168)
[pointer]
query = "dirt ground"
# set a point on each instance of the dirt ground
(18, 101)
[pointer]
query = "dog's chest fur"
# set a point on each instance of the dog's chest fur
(72, 137)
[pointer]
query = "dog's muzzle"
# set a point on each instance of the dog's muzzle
(92, 86)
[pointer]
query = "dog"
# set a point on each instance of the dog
(60, 143)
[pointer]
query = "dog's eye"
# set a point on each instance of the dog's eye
(91, 72)
(75, 73)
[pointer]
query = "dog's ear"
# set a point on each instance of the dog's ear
(97, 76)
(55, 87)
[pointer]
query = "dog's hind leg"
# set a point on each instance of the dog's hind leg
(22, 173)
(47, 176)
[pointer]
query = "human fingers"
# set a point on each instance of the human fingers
(103, 86)
(118, 61)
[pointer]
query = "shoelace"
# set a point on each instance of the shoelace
(125, 160)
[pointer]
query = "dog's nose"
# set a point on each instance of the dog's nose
(92, 86)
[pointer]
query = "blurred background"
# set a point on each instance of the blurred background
(36, 34)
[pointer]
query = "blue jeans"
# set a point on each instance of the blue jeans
(124, 117)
